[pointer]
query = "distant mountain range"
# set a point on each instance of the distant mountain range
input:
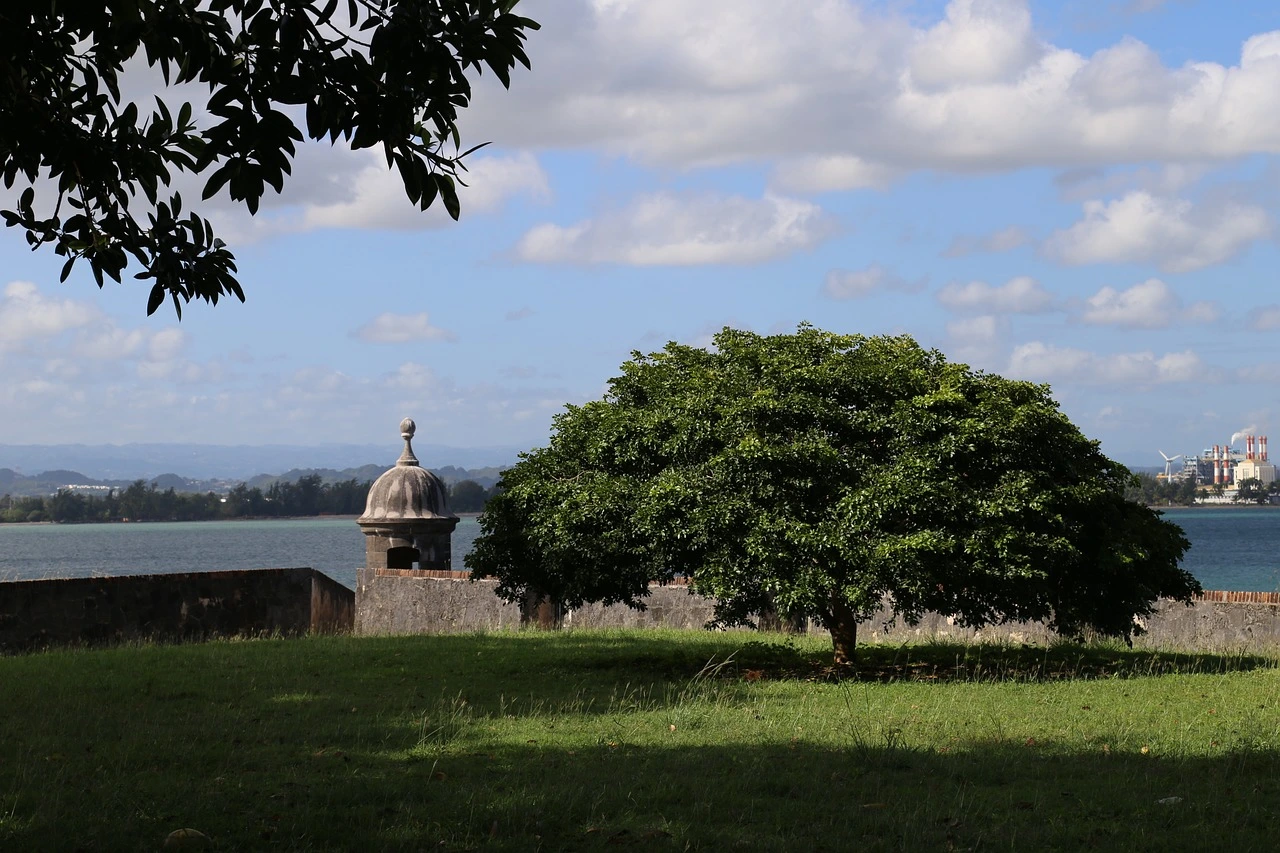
(129, 462)
(217, 468)
(95, 469)
(49, 482)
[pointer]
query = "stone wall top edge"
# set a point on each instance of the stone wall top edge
(216, 574)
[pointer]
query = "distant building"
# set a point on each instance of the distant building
(1256, 469)
(1255, 465)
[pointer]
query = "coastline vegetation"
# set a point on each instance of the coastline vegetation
(1151, 491)
(650, 740)
(308, 495)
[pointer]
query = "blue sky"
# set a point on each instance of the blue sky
(1078, 193)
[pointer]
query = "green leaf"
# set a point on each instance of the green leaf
(448, 195)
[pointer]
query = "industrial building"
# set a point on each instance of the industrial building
(1223, 465)
(1255, 464)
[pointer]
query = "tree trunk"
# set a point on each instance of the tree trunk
(843, 625)
(541, 612)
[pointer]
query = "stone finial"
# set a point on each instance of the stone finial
(407, 429)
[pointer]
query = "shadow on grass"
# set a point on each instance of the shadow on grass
(414, 743)
(771, 797)
(782, 657)
(991, 662)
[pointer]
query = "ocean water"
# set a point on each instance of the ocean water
(1231, 548)
(334, 546)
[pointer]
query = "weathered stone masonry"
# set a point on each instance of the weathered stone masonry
(37, 614)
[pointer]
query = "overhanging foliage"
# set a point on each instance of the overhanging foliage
(387, 73)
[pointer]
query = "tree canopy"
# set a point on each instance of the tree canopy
(387, 73)
(1252, 490)
(817, 474)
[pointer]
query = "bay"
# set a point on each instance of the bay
(1235, 549)
(334, 546)
(1232, 548)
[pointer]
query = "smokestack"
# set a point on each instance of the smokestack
(1264, 448)
(1248, 447)
(1217, 467)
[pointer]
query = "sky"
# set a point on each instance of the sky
(1082, 193)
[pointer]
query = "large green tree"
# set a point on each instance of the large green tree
(819, 474)
(376, 73)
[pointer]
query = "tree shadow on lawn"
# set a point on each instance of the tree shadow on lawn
(797, 796)
(340, 744)
(994, 662)
(779, 656)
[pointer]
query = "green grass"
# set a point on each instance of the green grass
(647, 740)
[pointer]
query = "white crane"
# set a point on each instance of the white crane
(1168, 463)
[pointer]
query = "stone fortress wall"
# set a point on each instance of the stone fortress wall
(201, 605)
(37, 614)
(401, 601)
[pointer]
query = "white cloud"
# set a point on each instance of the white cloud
(1202, 312)
(664, 228)
(339, 188)
(166, 344)
(1021, 295)
(106, 340)
(830, 174)
(1004, 240)
(858, 90)
(377, 199)
(1171, 233)
(391, 328)
(1166, 179)
(979, 42)
(29, 321)
(70, 367)
(26, 314)
(982, 329)
(854, 284)
(1151, 304)
(1048, 363)
(1265, 318)
(1128, 74)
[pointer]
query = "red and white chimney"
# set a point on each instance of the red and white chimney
(1263, 448)
(1248, 447)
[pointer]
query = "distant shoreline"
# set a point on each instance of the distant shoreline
(204, 520)
(1214, 506)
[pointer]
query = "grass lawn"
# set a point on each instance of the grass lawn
(644, 740)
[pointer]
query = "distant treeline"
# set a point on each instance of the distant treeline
(141, 501)
(1153, 492)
